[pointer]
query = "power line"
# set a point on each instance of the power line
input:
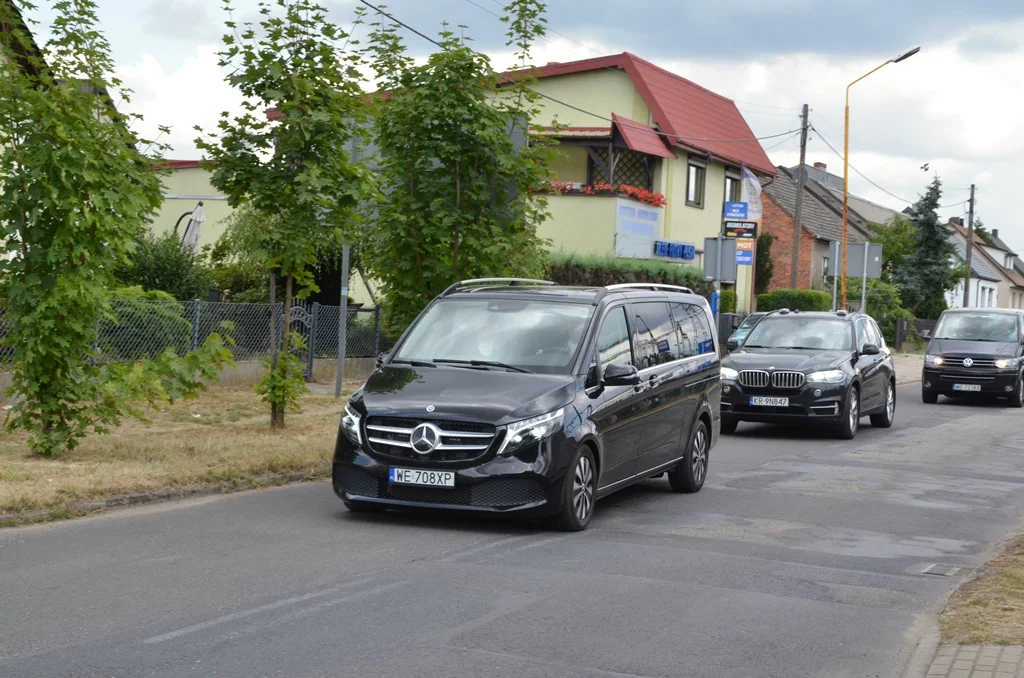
(794, 136)
(552, 99)
(791, 114)
(822, 137)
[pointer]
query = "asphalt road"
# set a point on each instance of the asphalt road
(803, 556)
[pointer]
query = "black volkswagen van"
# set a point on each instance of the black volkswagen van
(525, 397)
(976, 352)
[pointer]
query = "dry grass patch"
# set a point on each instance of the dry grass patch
(222, 437)
(990, 608)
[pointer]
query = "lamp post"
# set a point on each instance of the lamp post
(846, 159)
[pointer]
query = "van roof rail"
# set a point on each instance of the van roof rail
(650, 286)
(512, 282)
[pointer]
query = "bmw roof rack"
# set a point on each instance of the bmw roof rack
(478, 282)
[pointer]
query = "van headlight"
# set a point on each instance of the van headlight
(934, 360)
(1003, 363)
(826, 377)
(528, 432)
(350, 421)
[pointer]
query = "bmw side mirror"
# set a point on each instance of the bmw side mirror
(732, 344)
(870, 349)
(381, 358)
(618, 374)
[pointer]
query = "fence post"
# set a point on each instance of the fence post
(196, 310)
(311, 352)
(376, 331)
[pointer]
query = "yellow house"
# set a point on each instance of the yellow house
(629, 122)
(186, 184)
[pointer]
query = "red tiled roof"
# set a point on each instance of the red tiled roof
(642, 138)
(176, 164)
(690, 115)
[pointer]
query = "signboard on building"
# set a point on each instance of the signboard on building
(637, 227)
(675, 250)
(736, 211)
(745, 252)
(741, 230)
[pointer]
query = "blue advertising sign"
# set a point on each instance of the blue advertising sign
(674, 250)
(736, 211)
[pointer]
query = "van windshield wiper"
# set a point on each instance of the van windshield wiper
(414, 363)
(482, 363)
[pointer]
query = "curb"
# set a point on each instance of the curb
(158, 496)
(926, 629)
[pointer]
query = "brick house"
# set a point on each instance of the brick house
(820, 225)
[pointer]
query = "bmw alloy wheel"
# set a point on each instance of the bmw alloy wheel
(890, 404)
(583, 488)
(854, 410)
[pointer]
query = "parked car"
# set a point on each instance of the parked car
(736, 338)
(515, 396)
(975, 352)
(826, 369)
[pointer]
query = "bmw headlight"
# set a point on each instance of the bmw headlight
(826, 377)
(934, 360)
(729, 374)
(531, 431)
(350, 421)
(1003, 363)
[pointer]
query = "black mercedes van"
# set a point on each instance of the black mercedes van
(521, 396)
(976, 352)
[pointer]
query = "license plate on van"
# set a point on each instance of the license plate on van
(768, 401)
(415, 476)
(966, 387)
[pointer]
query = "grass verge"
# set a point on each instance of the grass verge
(222, 438)
(989, 609)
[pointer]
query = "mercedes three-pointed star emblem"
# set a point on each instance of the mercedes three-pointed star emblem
(425, 438)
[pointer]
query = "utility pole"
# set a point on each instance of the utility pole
(797, 224)
(970, 249)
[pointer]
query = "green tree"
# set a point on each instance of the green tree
(897, 240)
(76, 194)
(456, 188)
(765, 266)
(982, 232)
(162, 262)
(295, 170)
(928, 272)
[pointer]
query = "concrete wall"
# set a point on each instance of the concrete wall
(183, 189)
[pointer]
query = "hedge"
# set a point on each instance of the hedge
(802, 300)
(598, 271)
(728, 301)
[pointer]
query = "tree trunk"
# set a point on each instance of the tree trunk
(286, 335)
(273, 341)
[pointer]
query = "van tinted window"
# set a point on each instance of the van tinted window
(694, 331)
(977, 327)
(655, 334)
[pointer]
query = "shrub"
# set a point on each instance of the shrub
(728, 301)
(147, 324)
(884, 305)
(598, 271)
(803, 300)
(162, 262)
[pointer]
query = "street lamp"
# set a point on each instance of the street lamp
(846, 159)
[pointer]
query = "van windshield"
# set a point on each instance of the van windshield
(977, 327)
(534, 336)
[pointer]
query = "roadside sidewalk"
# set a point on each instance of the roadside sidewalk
(978, 661)
(908, 368)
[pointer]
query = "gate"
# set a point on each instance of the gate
(303, 322)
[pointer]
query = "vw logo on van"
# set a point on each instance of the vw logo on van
(968, 362)
(425, 438)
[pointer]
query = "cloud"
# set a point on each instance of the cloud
(192, 94)
(180, 19)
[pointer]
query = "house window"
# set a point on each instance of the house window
(695, 178)
(733, 188)
(824, 265)
(631, 168)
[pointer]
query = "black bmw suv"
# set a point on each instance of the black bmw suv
(826, 369)
(525, 397)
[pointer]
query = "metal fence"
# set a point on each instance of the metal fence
(145, 329)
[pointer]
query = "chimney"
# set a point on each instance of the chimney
(958, 221)
(820, 165)
(995, 232)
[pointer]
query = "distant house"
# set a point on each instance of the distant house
(631, 122)
(1000, 262)
(983, 279)
(820, 226)
(185, 185)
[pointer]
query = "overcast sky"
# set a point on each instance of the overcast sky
(956, 106)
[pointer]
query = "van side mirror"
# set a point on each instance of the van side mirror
(618, 374)
(926, 334)
(732, 344)
(870, 349)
